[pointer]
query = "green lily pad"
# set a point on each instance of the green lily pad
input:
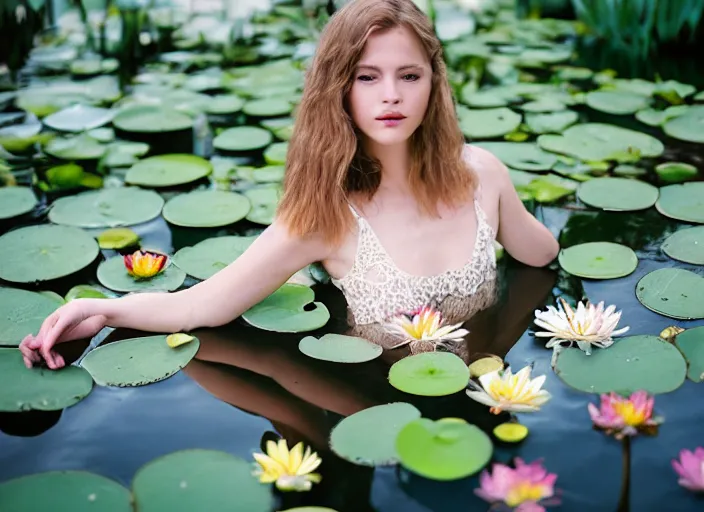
(682, 202)
(675, 172)
(117, 238)
(282, 127)
(16, 201)
(283, 311)
(78, 118)
(553, 122)
(77, 491)
(243, 138)
(113, 275)
(686, 245)
(268, 107)
(631, 364)
(446, 449)
(168, 170)
(617, 102)
(225, 104)
(339, 348)
(688, 127)
(264, 202)
(429, 374)
(672, 292)
(23, 313)
(39, 389)
(189, 480)
(487, 123)
(151, 119)
(267, 174)
(137, 361)
(521, 155)
(629, 171)
(84, 291)
(618, 194)
(81, 147)
(44, 252)
(368, 437)
(598, 260)
(206, 209)
(210, 256)
(654, 117)
(544, 104)
(276, 153)
(65, 176)
(547, 189)
(691, 344)
(125, 206)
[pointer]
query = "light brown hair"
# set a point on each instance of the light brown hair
(326, 161)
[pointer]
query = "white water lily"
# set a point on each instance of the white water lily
(425, 324)
(589, 326)
(503, 391)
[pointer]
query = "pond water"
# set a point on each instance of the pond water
(246, 385)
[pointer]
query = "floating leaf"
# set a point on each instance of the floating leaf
(339, 348)
(44, 252)
(151, 119)
(168, 170)
(283, 311)
(654, 117)
(276, 153)
(79, 118)
(117, 238)
(544, 104)
(39, 389)
(675, 172)
(520, 155)
(553, 122)
(206, 209)
(598, 260)
(178, 339)
(81, 147)
(368, 437)
(208, 257)
(269, 107)
(691, 344)
(485, 365)
(23, 313)
(446, 449)
(631, 364)
(487, 123)
(113, 275)
(617, 102)
(137, 361)
(225, 104)
(688, 126)
(16, 201)
(686, 245)
(84, 291)
(672, 292)
(618, 194)
(511, 432)
(682, 202)
(264, 202)
(429, 374)
(242, 138)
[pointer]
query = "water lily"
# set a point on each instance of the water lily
(504, 391)
(588, 326)
(525, 488)
(425, 325)
(290, 470)
(690, 468)
(620, 416)
(144, 264)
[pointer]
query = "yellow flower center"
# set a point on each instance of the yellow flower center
(631, 416)
(524, 491)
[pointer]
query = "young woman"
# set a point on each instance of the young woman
(379, 187)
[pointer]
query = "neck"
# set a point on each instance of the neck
(395, 163)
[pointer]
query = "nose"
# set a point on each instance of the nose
(391, 93)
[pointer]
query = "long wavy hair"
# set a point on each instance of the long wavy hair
(326, 161)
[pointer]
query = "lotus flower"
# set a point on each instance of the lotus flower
(622, 416)
(425, 325)
(503, 391)
(144, 264)
(690, 468)
(525, 488)
(291, 470)
(589, 325)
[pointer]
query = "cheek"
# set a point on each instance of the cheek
(357, 107)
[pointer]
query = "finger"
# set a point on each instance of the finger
(47, 324)
(29, 354)
(49, 341)
(60, 363)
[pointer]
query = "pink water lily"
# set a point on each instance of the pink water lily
(525, 488)
(620, 416)
(690, 468)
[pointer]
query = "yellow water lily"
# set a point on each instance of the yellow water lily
(143, 264)
(504, 391)
(424, 324)
(290, 470)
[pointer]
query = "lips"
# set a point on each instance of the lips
(392, 116)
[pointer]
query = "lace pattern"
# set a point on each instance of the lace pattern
(376, 289)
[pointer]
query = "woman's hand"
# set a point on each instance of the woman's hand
(71, 321)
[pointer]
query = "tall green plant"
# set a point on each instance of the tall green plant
(641, 25)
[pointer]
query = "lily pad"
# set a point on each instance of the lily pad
(79, 118)
(206, 209)
(544, 104)
(682, 202)
(688, 127)
(77, 491)
(429, 374)
(39, 389)
(16, 201)
(137, 361)
(617, 102)
(631, 364)
(268, 107)
(168, 170)
(124, 206)
(339, 348)
(618, 194)
(446, 449)
(521, 155)
(210, 256)
(282, 127)
(686, 245)
(511, 432)
(553, 122)
(675, 172)
(225, 104)
(487, 123)
(44, 252)
(485, 365)
(84, 291)
(117, 238)
(598, 260)
(151, 119)
(23, 313)
(81, 147)
(368, 437)
(673, 292)
(189, 480)
(264, 202)
(691, 344)
(283, 311)
(243, 138)
(113, 275)
(276, 153)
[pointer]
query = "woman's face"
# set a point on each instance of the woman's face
(391, 87)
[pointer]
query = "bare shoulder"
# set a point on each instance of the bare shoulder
(300, 248)
(491, 172)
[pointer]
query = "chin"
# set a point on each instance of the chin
(390, 138)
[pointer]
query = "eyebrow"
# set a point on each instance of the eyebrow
(375, 68)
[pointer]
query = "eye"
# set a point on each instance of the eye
(411, 77)
(365, 78)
